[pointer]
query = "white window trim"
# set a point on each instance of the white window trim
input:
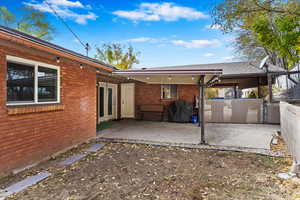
(35, 64)
(169, 85)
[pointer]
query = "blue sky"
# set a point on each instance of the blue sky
(166, 33)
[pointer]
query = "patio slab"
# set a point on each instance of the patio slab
(236, 135)
(241, 135)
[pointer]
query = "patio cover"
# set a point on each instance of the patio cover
(176, 76)
(169, 75)
(235, 74)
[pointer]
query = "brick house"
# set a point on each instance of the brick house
(53, 98)
(48, 98)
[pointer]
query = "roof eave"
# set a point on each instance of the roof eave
(168, 72)
(244, 75)
(26, 37)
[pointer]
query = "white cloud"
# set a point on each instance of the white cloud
(66, 3)
(160, 11)
(76, 40)
(230, 39)
(208, 55)
(64, 9)
(228, 58)
(136, 15)
(197, 43)
(144, 39)
(214, 27)
(218, 27)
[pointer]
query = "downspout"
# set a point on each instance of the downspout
(97, 103)
(235, 91)
(269, 77)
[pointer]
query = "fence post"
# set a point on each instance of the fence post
(295, 168)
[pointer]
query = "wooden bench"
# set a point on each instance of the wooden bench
(151, 108)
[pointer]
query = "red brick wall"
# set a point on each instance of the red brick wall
(151, 94)
(188, 92)
(27, 138)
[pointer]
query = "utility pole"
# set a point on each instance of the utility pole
(87, 48)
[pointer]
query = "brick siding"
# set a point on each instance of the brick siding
(151, 94)
(30, 134)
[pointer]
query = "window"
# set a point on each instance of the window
(20, 83)
(101, 99)
(30, 82)
(168, 91)
(47, 84)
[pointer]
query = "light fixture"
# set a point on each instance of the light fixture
(193, 78)
(148, 78)
(58, 59)
(128, 78)
(169, 78)
(81, 66)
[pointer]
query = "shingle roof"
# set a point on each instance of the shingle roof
(233, 68)
(275, 68)
(25, 36)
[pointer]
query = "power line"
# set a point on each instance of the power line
(86, 46)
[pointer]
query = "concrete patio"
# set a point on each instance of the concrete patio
(230, 135)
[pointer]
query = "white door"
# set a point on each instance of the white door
(127, 100)
(107, 101)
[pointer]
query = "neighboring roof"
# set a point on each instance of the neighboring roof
(275, 68)
(228, 69)
(225, 70)
(243, 74)
(36, 40)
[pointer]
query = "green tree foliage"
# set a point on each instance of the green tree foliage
(264, 92)
(280, 36)
(121, 56)
(32, 22)
(298, 47)
(211, 93)
(6, 16)
(264, 27)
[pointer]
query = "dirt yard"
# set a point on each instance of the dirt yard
(126, 171)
